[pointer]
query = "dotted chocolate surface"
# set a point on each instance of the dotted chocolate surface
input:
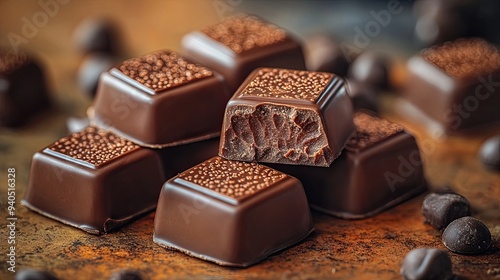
(243, 33)
(287, 84)
(465, 58)
(94, 146)
(371, 130)
(10, 61)
(163, 70)
(234, 179)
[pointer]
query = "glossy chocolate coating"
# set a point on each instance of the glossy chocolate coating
(427, 264)
(239, 45)
(467, 235)
(379, 168)
(323, 54)
(161, 99)
(440, 210)
(179, 158)
(23, 92)
(456, 84)
(231, 213)
(91, 69)
(97, 35)
(94, 180)
(287, 116)
(489, 153)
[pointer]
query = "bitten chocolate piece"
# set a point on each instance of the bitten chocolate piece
(287, 116)
(379, 168)
(454, 85)
(94, 180)
(441, 209)
(231, 213)
(161, 99)
(240, 44)
(23, 92)
(427, 264)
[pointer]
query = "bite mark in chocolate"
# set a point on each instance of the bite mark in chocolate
(287, 116)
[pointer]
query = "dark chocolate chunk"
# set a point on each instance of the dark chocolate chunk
(323, 54)
(489, 153)
(94, 180)
(287, 116)
(91, 69)
(380, 167)
(467, 235)
(371, 69)
(363, 96)
(126, 275)
(427, 264)
(440, 210)
(231, 213)
(239, 45)
(98, 35)
(34, 274)
(23, 92)
(161, 99)
(453, 85)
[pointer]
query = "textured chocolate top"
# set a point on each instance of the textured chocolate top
(371, 130)
(163, 70)
(94, 146)
(235, 179)
(289, 84)
(243, 33)
(464, 58)
(10, 61)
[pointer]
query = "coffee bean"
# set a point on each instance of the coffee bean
(371, 69)
(126, 275)
(441, 209)
(467, 235)
(34, 274)
(97, 35)
(489, 153)
(426, 264)
(323, 54)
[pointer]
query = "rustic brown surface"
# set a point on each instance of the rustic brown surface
(365, 249)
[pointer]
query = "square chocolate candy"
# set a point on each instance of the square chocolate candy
(231, 213)
(94, 180)
(161, 99)
(380, 167)
(287, 116)
(23, 91)
(455, 86)
(240, 44)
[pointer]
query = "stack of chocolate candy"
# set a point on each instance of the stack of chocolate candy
(160, 114)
